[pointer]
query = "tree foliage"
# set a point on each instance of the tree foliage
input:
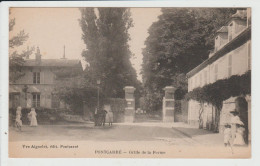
(222, 90)
(105, 33)
(16, 60)
(179, 41)
(73, 87)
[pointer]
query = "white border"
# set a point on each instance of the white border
(254, 161)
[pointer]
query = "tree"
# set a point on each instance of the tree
(179, 41)
(16, 60)
(105, 33)
(73, 88)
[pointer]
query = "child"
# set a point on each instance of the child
(238, 129)
(227, 135)
(18, 121)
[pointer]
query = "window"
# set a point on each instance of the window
(36, 77)
(216, 43)
(205, 77)
(229, 65)
(216, 72)
(230, 31)
(36, 100)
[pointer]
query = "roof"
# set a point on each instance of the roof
(242, 14)
(223, 29)
(33, 89)
(53, 62)
(233, 44)
(14, 89)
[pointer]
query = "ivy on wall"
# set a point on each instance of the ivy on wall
(221, 90)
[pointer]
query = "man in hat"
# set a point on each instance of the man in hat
(103, 115)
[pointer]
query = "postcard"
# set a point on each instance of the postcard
(129, 82)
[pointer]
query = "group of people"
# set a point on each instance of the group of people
(102, 116)
(31, 116)
(236, 132)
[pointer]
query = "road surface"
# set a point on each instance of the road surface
(169, 133)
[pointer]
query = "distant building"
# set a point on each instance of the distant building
(231, 56)
(35, 87)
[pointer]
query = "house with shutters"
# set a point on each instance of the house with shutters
(231, 56)
(35, 87)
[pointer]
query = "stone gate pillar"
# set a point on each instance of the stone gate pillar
(168, 104)
(130, 104)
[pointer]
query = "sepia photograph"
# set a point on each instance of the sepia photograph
(129, 82)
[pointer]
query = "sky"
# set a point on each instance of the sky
(52, 28)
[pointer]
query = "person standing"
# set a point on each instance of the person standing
(18, 121)
(227, 135)
(96, 116)
(234, 118)
(33, 118)
(110, 117)
(238, 129)
(103, 115)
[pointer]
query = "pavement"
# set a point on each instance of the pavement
(161, 133)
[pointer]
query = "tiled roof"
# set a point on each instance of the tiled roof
(52, 62)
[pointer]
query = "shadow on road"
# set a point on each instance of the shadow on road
(191, 132)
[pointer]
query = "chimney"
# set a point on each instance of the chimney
(211, 53)
(221, 37)
(63, 53)
(27, 54)
(248, 16)
(38, 56)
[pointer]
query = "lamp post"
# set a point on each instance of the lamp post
(25, 90)
(98, 83)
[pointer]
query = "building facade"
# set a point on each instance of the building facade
(231, 56)
(35, 87)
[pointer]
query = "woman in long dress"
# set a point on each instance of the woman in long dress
(32, 116)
